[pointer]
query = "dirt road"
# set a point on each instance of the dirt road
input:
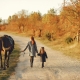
(57, 67)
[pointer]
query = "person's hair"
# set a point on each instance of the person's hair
(42, 52)
(32, 40)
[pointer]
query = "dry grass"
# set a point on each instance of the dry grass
(4, 74)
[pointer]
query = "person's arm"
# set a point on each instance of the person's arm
(36, 48)
(26, 47)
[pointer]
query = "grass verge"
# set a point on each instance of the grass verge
(4, 74)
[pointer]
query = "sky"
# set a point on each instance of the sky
(10, 7)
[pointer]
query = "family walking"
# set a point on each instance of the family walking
(32, 46)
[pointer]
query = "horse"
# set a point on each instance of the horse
(6, 48)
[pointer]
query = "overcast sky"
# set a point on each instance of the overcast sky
(10, 7)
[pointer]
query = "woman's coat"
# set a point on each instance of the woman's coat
(32, 48)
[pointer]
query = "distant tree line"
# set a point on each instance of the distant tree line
(57, 25)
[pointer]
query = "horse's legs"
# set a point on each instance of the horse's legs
(8, 56)
(1, 60)
(5, 56)
(8, 60)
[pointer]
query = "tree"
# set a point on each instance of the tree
(52, 11)
(34, 19)
(9, 19)
(14, 17)
(72, 12)
(21, 21)
(50, 19)
(22, 13)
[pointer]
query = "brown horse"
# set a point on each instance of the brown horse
(6, 48)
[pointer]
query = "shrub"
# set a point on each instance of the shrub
(48, 36)
(69, 40)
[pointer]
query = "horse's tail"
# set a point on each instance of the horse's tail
(3, 48)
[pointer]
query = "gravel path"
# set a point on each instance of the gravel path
(57, 67)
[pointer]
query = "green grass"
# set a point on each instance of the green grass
(4, 74)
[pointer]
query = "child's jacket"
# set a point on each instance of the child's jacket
(43, 56)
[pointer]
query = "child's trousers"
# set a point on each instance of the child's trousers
(42, 64)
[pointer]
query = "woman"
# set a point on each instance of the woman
(32, 50)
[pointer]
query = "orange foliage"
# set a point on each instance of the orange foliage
(67, 21)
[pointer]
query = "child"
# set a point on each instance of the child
(43, 56)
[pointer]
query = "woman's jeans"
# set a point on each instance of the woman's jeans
(31, 60)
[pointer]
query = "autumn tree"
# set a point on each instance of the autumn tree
(35, 19)
(50, 21)
(21, 22)
(71, 13)
(14, 17)
(9, 19)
